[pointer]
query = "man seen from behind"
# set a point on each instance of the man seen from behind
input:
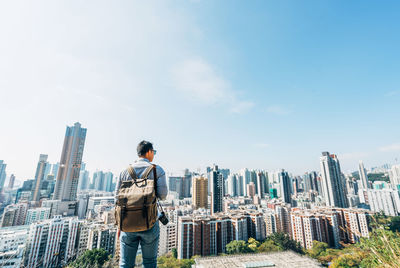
(137, 191)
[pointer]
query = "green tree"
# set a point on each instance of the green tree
(168, 261)
(347, 260)
(269, 246)
(94, 258)
(379, 220)
(175, 253)
(329, 255)
(394, 224)
(319, 248)
(252, 244)
(286, 243)
(237, 246)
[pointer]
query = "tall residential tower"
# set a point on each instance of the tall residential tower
(363, 175)
(2, 174)
(217, 190)
(333, 186)
(70, 164)
(39, 176)
(200, 192)
(286, 187)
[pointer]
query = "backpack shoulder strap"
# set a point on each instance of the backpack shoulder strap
(132, 173)
(155, 178)
(146, 173)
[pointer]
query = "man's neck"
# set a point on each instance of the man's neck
(144, 158)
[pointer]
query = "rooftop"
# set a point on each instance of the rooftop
(287, 259)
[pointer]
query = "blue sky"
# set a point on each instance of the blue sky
(259, 84)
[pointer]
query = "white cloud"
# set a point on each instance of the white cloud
(198, 80)
(278, 110)
(395, 147)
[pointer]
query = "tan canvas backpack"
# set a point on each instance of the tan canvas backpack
(136, 205)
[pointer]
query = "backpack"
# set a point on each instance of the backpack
(136, 204)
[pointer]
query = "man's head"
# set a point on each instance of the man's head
(145, 150)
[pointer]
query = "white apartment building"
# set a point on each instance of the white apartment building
(102, 236)
(51, 242)
(239, 223)
(97, 200)
(385, 200)
(270, 223)
(168, 236)
(83, 238)
(37, 214)
(97, 235)
(12, 245)
(258, 226)
(14, 214)
(308, 226)
(394, 175)
(357, 224)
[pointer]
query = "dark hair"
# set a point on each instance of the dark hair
(143, 147)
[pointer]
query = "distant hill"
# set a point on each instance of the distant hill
(373, 176)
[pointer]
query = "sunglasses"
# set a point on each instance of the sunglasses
(154, 151)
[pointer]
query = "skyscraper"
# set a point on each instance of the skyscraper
(186, 184)
(70, 163)
(286, 187)
(41, 168)
(310, 181)
(108, 182)
(245, 179)
(98, 180)
(260, 185)
(200, 192)
(233, 185)
(83, 180)
(11, 181)
(217, 188)
(333, 186)
(54, 169)
(363, 175)
(251, 189)
(2, 174)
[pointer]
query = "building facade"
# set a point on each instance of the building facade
(70, 164)
(217, 188)
(2, 174)
(333, 185)
(200, 192)
(39, 176)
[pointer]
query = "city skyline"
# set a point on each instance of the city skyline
(261, 85)
(202, 171)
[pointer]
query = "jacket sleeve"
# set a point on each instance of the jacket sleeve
(162, 189)
(118, 184)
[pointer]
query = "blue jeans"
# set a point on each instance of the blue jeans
(149, 243)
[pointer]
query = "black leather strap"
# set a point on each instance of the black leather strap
(155, 178)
